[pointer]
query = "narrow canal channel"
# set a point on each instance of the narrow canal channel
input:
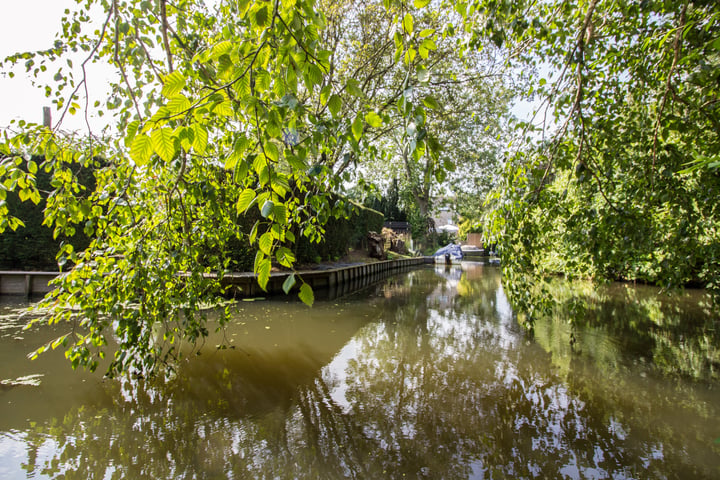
(425, 375)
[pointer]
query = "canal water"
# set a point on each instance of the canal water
(424, 375)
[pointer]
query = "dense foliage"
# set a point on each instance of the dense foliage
(388, 203)
(621, 183)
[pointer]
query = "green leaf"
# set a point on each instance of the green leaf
(285, 257)
(427, 32)
(200, 141)
(296, 163)
(178, 104)
(325, 94)
(289, 283)
(421, 3)
(263, 272)
(273, 127)
(131, 131)
(232, 160)
(186, 135)
(410, 54)
(398, 39)
(431, 103)
(173, 83)
(335, 104)
(141, 150)
(407, 23)
(280, 214)
(429, 44)
(260, 163)
(261, 17)
(245, 200)
(163, 142)
(398, 53)
(267, 208)
(265, 243)
(373, 119)
(220, 49)
(243, 6)
(423, 75)
(253, 234)
(315, 170)
(357, 127)
(306, 295)
(353, 88)
(271, 151)
(315, 75)
(223, 108)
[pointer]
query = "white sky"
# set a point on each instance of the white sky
(30, 25)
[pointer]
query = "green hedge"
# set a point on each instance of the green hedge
(33, 247)
(341, 234)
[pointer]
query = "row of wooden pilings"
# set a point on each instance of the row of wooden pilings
(336, 280)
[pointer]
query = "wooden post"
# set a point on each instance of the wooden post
(47, 117)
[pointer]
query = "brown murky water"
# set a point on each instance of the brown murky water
(424, 375)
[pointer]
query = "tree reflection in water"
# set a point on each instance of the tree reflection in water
(431, 378)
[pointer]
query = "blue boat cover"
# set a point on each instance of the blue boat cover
(451, 248)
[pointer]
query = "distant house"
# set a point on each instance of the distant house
(445, 214)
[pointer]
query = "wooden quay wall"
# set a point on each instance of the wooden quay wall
(25, 283)
(338, 280)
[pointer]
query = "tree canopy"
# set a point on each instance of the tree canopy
(620, 182)
(226, 106)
